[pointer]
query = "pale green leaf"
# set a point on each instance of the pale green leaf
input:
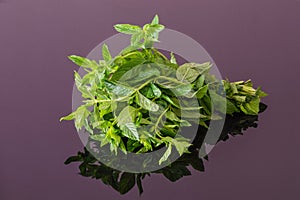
(127, 115)
(129, 130)
(81, 114)
(84, 62)
(181, 146)
(173, 59)
(136, 38)
(127, 28)
(155, 20)
(105, 53)
(68, 117)
(166, 154)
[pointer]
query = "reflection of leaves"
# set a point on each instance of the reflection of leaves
(175, 172)
(127, 182)
(139, 183)
(123, 182)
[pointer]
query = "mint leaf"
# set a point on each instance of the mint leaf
(155, 20)
(127, 28)
(130, 131)
(146, 103)
(166, 154)
(105, 53)
(81, 115)
(83, 62)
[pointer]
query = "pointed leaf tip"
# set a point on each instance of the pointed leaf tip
(155, 20)
(105, 53)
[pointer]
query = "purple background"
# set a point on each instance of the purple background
(257, 39)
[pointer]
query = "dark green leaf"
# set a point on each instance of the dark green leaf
(156, 90)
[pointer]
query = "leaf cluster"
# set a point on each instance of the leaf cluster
(138, 100)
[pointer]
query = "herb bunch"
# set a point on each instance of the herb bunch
(132, 100)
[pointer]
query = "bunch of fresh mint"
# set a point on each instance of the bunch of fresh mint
(138, 100)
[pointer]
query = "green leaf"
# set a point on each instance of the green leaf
(127, 115)
(260, 93)
(146, 103)
(88, 127)
(136, 39)
(200, 81)
(127, 182)
(233, 88)
(130, 131)
(166, 154)
(251, 108)
(155, 89)
(105, 53)
(84, 62)
(85, 91)
(68, 117)
(172, 116)
(132, 145)
(231, 108)
(140, 73)
(98, 137)
(239, 98)
(81, 115)
(189, 72)
(127, 28)
(193, 114)
(147, 92)
(118, 89)
(173, 59)
(202, 91)
(181, 146)
(168, 82)
(154, 28)
(145, 121)
(182, 90)
(155, 20)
